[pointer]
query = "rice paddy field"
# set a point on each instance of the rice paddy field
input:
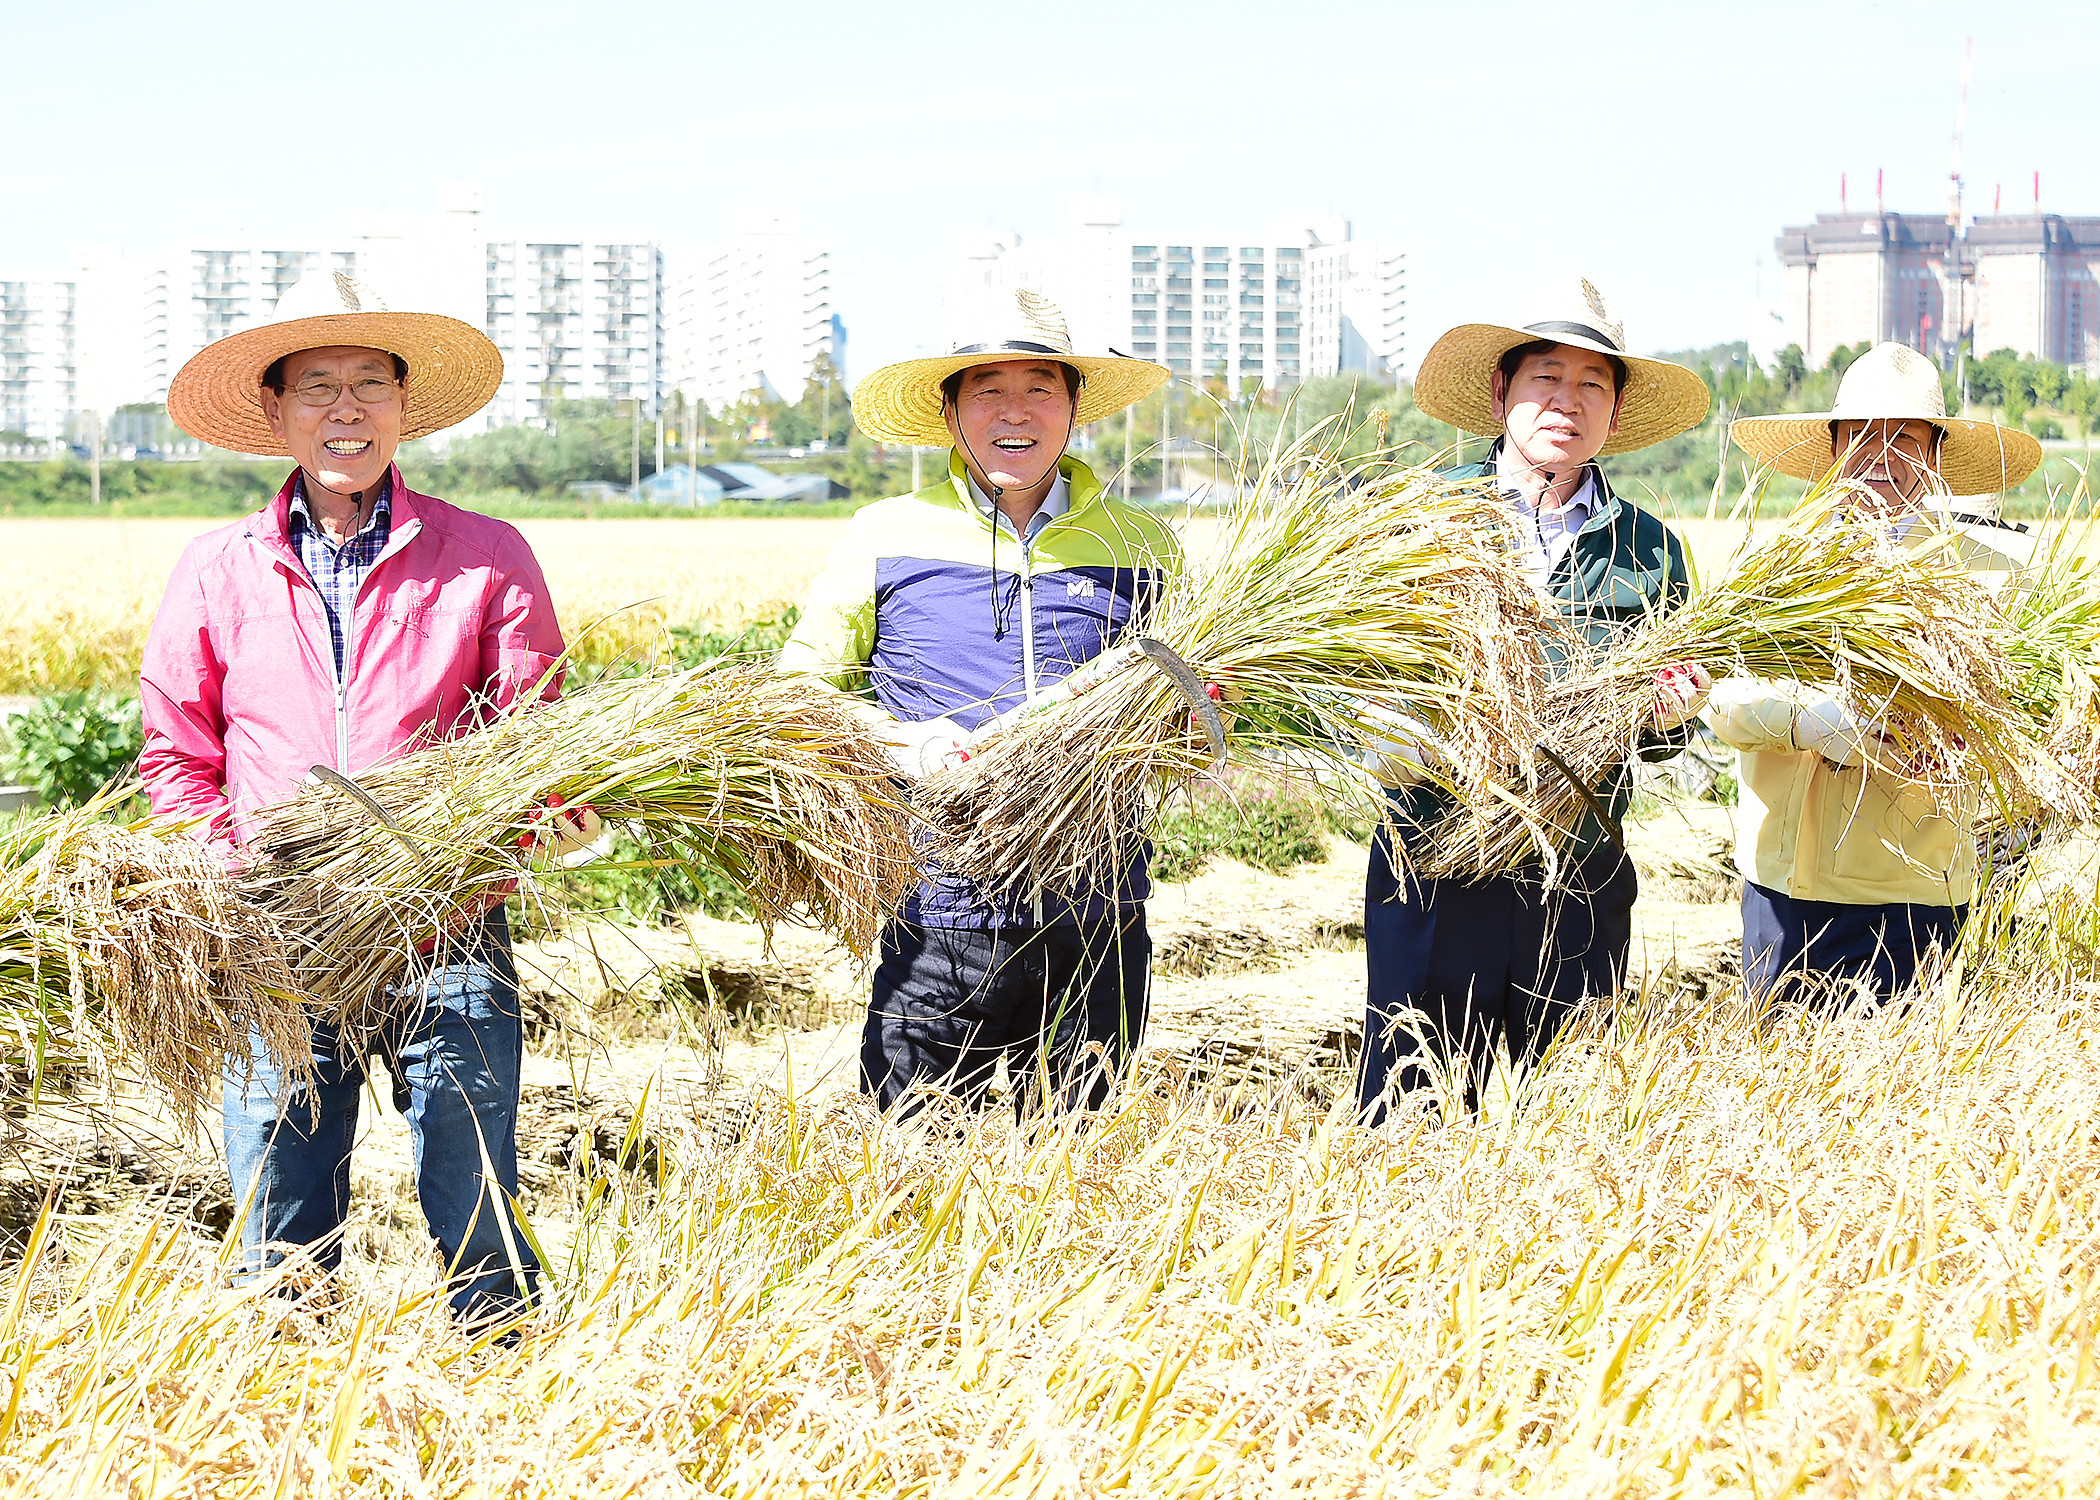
(82, 593)
(1698, 1254)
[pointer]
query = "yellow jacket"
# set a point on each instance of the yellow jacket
(1856, 834)
(1822, 832)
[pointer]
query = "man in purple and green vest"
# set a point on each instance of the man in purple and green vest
(956, 604)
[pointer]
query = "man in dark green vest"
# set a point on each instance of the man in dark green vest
(1472, 967)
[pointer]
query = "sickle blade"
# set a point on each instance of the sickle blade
(343, 783)
(1190, 686)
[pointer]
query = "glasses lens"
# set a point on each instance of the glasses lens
(318, 392)
(373, 390)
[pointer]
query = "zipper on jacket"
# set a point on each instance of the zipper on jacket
(396, 540)
(342, 685)
(1028, 683)
(299, 576)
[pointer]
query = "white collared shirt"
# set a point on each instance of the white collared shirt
(1054, 504)
(1549, 533)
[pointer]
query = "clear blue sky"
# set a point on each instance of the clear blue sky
(1655, 147)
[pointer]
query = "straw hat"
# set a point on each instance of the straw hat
(1893, 382)
(1660, 399)
(453, 369)
(901, 403)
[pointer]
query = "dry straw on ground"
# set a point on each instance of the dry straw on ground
(123, 946)
(1337, 584)
(772, 782)
(1859, 1256)
(1904, 632)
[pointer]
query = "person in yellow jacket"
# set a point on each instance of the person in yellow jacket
(1853, 869)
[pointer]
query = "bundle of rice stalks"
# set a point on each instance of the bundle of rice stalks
(1901, 630)
(125, 942)
(2054, 615)
(771, 782)
(1340, 585)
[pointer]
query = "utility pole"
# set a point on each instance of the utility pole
(659, 441)
(634, 483)
(1166, 434)
(1129, 445)
(94, 457)
(692, 453)
(915, 468)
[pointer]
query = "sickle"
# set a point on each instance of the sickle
(1190, 686)
(343, 783)
(1596, 803)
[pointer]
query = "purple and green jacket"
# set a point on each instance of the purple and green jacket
(934, 609)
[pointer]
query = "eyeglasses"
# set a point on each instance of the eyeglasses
(370, 391)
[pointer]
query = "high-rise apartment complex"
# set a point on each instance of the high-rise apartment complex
(197, 296)
(1303, 299)
(2025, 282)
(36, 358)
(575, 320)
(752, 313)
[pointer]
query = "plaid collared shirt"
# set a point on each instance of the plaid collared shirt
(339, 571)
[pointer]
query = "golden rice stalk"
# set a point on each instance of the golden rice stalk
(2054, 614)
(1903, 631)
(125, 942)
(1341, 585)
(773, 782)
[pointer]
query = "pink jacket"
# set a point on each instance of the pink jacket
(238, 686)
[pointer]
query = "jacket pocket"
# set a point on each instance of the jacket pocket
(1886, 832)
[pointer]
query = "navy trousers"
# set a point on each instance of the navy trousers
(1068, 1001)
(1788, 942)
(1487, 961)
(457, 1060)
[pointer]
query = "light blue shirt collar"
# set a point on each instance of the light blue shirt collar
(1054, 505)
(1550, 533)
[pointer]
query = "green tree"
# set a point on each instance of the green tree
(823, 413)
(2081, 399)
(1790, 366)
(2046, 380)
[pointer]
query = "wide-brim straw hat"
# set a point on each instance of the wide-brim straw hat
(1893, 383)
(1660, 400)
(453, 368)
(901, 403)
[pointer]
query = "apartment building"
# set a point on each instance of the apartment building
(37, 372)
(752, 313)
(1300, 300)
(575, 320)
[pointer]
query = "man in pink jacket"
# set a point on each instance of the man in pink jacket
(345, 621)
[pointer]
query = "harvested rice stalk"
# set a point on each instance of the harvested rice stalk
(1903, 631)
(125, 941)
(2054, 615)
(1340, 584)
(773, 782)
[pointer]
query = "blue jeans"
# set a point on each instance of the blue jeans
(456, 1057)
